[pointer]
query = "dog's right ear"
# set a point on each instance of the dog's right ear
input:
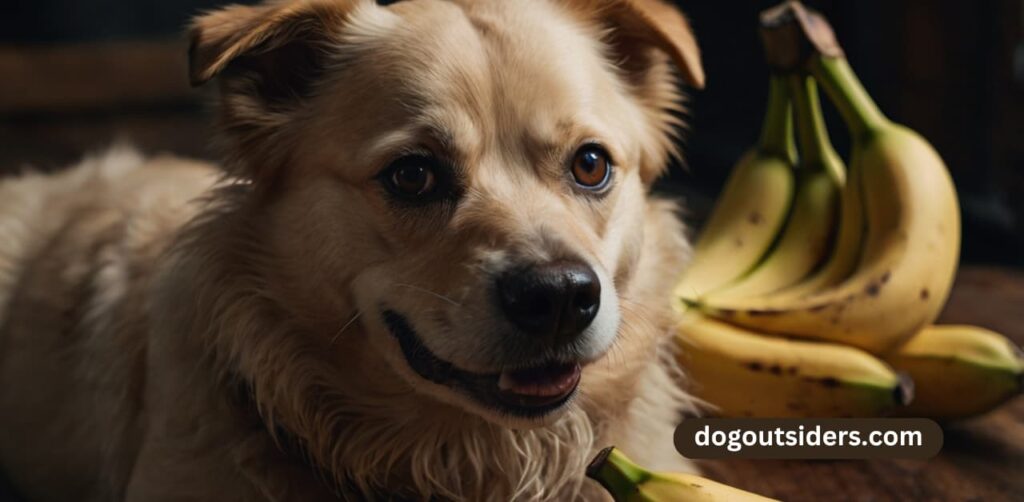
(280, 43)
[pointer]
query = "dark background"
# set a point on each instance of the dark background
(77, 75)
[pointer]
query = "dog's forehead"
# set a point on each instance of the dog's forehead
(526, 60)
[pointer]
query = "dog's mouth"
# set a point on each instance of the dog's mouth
(527, 392)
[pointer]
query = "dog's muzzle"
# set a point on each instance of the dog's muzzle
(529, 392)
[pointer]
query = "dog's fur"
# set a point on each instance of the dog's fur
(175, 331)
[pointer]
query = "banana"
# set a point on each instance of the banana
(845, 251)
(912, 241)
(753, 205)
(744, 374)
(628, 482)
(804, 242)
(959, 371)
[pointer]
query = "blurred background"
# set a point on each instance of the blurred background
(75, 76)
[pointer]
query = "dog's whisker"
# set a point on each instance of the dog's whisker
(337, 335)
(429, 292)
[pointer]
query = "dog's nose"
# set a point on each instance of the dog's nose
(555, 300)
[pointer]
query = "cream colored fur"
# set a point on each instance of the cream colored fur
(171, 332)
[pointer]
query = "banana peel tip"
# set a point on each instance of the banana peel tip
(904, 391)
(595, 465)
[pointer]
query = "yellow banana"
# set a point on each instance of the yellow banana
(959, 371)
(804, 242)
(628, 482)
(845, 251)
(753, 205)
(912, 240)
(745, 374)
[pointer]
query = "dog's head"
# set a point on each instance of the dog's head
(471, 176)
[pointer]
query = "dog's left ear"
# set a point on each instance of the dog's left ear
(638, 25)
(654, 23)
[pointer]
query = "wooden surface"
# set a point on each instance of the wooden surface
(981, 460)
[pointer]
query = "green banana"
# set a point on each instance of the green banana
(628, 482)
(745, 374)
(912, 240)
(753, 205)
(959, 371)
(804, 243)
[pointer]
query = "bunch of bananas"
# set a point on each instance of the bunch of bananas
(814, 286)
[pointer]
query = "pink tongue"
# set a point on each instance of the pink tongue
(545, 381)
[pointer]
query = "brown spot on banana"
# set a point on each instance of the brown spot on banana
(828, 382)
(763, 313)
(925, 294)
(755, 366)
(755, 218)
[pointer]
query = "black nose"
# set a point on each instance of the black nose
(555, 300)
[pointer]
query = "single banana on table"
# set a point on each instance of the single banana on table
(912, 238)
(628, 482)
(753, 205)
(959, 371)
(804, 241)
(745, 374)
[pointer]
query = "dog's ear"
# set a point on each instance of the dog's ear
(274, 40)
(638, 25)
(267, 58)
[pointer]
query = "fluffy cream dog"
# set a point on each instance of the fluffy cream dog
(431, 270)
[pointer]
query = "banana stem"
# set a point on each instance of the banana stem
(859, 111)
(616, 473)
(816, 152)
(777, 130)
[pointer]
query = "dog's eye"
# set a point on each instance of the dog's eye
(412, 177)
(592, 167)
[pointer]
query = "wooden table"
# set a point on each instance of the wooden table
(981, 460)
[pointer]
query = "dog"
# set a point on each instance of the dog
(428, 267)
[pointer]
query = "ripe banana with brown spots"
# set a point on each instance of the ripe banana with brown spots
(746, 374)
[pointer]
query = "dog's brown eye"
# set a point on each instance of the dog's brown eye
(592, 167)
(412, 177)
